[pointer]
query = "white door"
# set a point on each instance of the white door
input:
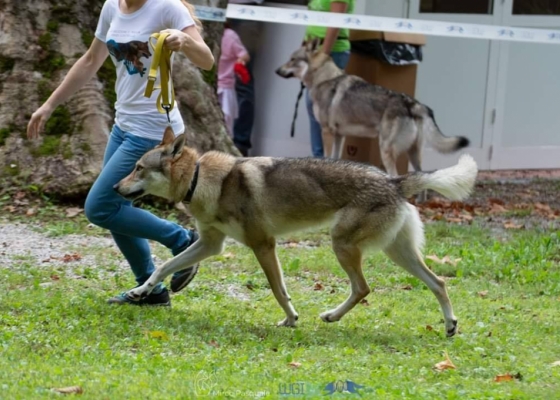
(457, 78)
(527, 132)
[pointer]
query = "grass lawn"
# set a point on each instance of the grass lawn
(219, 339)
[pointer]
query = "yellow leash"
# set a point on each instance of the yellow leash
(161, 61)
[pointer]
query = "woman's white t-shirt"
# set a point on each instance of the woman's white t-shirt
(126, 37)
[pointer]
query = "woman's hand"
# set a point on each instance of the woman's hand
(38, 120)
(177, 40)
(81, 72)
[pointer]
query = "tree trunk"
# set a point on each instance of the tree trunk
(39, 41)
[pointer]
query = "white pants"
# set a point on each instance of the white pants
(228, 101)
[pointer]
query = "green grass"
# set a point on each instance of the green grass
(219, 339)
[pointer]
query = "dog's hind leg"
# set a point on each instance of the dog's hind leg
(265, 251)
(389, 159)
(350, 258)
(338, 146)
(211, 243)
(404, 251)
(415, 158)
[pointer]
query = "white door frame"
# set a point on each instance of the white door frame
(522, 157)
(482, 154)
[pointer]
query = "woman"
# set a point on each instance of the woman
(337, 44)
(123, 30)
(232, 52)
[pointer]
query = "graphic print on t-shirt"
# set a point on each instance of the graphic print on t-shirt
(130, 53)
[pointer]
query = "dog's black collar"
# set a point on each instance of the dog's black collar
(194, 181)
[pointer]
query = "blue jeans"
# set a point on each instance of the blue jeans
(130, 226)
(341, 60)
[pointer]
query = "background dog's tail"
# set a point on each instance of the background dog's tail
(455, 183)
(436, 138)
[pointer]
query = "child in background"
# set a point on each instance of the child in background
(232, 60)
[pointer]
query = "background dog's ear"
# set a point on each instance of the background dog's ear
(178, 145)
(309, 45)
(313, 45)
(317, 44)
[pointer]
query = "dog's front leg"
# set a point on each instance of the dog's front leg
(266, 255)
(210, 243)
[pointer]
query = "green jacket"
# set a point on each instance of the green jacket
(342, 44)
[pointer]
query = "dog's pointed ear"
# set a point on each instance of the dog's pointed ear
(309, 45)
(317, 44)
(168, 137)
(178, 145)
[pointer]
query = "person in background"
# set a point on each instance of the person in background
(337, 44)
(250, 34)
(233, 54)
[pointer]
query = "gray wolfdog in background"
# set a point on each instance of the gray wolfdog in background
(254, 200)
(347, 105)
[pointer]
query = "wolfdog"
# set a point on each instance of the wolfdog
(253, 200)
(347, 105)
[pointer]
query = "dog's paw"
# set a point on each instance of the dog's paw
(452, 328)
(136, 294)
(288, 322)
(329, 316)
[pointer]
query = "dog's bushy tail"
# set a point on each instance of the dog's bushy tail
(455, 183)
(429, 128)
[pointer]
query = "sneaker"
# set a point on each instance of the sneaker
(181, 279)
(153, 299)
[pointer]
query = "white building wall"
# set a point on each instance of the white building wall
(502, 96)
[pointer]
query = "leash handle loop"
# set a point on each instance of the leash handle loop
(162, 61)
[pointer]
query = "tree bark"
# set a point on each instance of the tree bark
(39, 41)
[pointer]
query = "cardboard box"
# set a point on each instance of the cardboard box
(398, 78)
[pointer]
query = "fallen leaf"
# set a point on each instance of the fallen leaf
(292, 244)
(444, 260)
(11, 209)
(318, 286)
(489, 334)
(542, 207)
(213, 343)
(31, 212)
(512, 225)
(71, 257)
(158, 335)
(555, 364)
(454, 220)
(494, 200)
(364, 302)
(249, 285)
(497, 209)
(19, 195)
(483, 294)
(73, 212)
(508, 377)
(446, 364)
(228, 255)
(70, 390)
(332, 291)
(407, 287)
(429, 328)
(55, 277)
(294, 364)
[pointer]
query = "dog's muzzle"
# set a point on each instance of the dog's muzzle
(280, 72)
(129, 196)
